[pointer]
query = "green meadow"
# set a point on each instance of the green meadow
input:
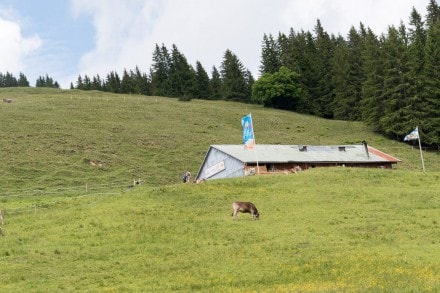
(74, 221)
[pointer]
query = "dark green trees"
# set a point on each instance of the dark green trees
(233, 79)
(202, 85)
(9, 80)
(391, 82)
(46, 81)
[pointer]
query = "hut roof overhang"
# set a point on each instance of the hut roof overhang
(264, 153)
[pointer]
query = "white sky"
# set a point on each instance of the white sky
(65, 38)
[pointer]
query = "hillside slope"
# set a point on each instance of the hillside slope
(324, 230)
(63, 138)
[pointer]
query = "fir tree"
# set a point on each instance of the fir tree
(160, 71)
(22, 80)
(203, 86)
(372, 86)
(181, 75)
(324, 87)
(233, 78)
(216, 84)
(397, 111)
(270, 55)
(430, 120)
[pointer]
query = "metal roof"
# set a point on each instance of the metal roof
(265, 153)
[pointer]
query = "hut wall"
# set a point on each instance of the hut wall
(219, 165)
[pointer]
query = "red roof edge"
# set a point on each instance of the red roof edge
(383, 155)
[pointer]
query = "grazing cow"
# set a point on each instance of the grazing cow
(245, 207)
(7, 100)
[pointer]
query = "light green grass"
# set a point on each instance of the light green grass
(327, 230)
(71, 226)
(49, 137)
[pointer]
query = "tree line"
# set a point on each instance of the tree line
(9, 80)
(171, 75)
(389, 81)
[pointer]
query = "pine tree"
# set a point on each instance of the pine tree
(113, 82)
(203, 86)
(430, 121)
(8, 80)
(181, 75)
(140, 82)
(79, 83)
(372, 86)
(126, 83)
(322, 62)
(349, 77)
(160, 71)
(270, 55)
(233, 78)
(96, 83)
(416, 61)
(249, 79)
(397, 111)
(87, 83)
(22, 80)
(433, 14)
(216, 84)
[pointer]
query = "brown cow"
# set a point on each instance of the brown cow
(245, 207)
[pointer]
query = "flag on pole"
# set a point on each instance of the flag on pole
(248, 132)
(413, 135)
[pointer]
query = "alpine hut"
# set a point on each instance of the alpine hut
(227, 161)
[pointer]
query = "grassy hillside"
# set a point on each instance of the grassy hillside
(324, 230)
(72, 223)
(53, 138)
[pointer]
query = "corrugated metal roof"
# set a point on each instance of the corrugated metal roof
(265, 153)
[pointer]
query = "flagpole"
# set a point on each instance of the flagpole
(421, 152)
(255, 144)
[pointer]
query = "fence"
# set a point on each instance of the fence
(62, 195)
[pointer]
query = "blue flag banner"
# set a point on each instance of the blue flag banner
(413, 135)
(248, 132)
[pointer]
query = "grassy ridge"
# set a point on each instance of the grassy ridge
(50, 137)
(71, 225)
(322, 230)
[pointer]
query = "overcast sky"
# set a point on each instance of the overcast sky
(65, 38)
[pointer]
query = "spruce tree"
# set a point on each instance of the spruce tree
(181, 75)
(323, 67)
(22, 80)
(416, 61)
(341, 69)
(270, 55)
(79, 83)
(160, 71)
(397, 109)
(126, 83)
(433, 14)
(372, 86)
(233, 78)
(203, 86)
(216, 84)
(430, 121)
